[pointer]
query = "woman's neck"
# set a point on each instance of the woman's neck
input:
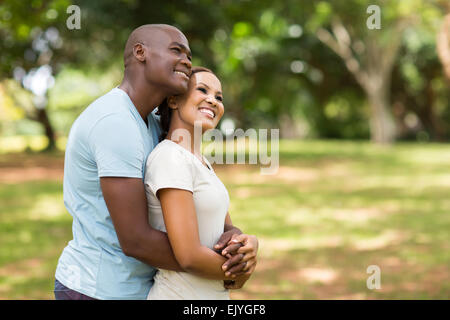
(186, 136)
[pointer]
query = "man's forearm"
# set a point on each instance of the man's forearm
(229, 227)
(159, 256)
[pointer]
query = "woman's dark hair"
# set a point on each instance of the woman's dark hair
(165, 112)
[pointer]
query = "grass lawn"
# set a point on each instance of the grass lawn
(332, 210)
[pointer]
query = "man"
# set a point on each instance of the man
(114, 249)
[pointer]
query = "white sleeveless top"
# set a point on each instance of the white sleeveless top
(171, 166)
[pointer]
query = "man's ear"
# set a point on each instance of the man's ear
(172, 102)
(139, 51)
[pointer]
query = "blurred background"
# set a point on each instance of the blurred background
(361, 98)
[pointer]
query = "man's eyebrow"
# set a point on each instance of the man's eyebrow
(183, 47)
(220, 92)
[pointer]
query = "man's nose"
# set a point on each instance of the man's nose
(187, 62)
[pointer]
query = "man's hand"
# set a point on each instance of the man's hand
(223, 241)
(225, 238)
(241, 252)
(238, 283)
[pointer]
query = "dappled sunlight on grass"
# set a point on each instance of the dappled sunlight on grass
(341, 207)
(317, 275)
(432, 155)
(332, 210)
(387, 238)
(34, 228)
(47, 207)
(33, 143)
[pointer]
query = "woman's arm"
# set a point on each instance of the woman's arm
(181, 223)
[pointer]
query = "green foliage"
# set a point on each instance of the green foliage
(275, 72)
(21, 24)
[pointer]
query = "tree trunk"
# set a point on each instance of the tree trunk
(428, 115)
(382, 124)
(43, 119)
(374, 77)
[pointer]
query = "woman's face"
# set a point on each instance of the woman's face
(202, 102)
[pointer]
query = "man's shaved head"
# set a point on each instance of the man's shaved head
(149, 35)
(157, 58)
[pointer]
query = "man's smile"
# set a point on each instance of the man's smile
(184, 74)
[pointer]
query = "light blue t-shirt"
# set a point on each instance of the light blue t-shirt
(109, 139)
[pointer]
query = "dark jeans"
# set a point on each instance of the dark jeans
(64, 293)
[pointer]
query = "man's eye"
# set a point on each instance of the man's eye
(176, 49)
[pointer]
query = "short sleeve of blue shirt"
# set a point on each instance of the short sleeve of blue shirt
(117, 147)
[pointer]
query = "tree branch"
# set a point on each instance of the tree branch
(390, 52)
(340, 42)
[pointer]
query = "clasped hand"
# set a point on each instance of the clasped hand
(240, 250)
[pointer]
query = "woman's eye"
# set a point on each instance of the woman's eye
(202, 90)
(219, 98)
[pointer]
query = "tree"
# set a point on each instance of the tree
(36, 41)
(308, 68)
(370, 51)
(29, 41)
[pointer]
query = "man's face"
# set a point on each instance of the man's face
(168, 61)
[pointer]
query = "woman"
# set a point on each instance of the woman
(186, 198)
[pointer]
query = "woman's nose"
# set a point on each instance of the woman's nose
(211, 100)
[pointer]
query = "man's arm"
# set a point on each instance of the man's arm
(228, 231)
(229, 226)
(127, 205)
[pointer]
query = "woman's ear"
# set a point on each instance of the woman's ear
(172, 102)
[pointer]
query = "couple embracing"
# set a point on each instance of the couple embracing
(150, 216)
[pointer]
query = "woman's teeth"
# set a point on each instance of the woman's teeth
(208, 112)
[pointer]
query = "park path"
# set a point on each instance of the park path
(18, 168)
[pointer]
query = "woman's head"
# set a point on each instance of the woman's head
(203, 102)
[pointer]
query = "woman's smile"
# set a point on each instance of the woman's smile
(208, 112)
